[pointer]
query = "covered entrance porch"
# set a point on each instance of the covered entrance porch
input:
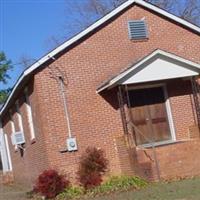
(159, 101)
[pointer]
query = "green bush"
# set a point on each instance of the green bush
(115, 183)
(71, 193)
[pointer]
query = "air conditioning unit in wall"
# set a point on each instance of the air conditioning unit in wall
(18, 138)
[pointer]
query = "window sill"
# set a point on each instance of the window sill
(33, 141)
(164, 143)
(157, 144)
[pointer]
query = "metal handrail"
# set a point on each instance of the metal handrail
(153, 147)
(120, 99)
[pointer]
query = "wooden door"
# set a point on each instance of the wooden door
(149, 114)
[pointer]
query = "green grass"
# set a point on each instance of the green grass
(180, 190)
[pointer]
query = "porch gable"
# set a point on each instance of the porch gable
(159, 65)
(159, 68)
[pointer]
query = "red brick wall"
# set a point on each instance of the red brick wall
(34, 160)
(95, 119)
(182, 107)
(175, 161)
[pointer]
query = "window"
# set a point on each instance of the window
(19, 117)
(12, 124)
(4, 151)
(29, 114)
(137, 30)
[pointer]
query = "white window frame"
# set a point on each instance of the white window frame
(29, 114)
(19, 117)
(13, 130)
(12, 124)
(5, 152)
(168, 110)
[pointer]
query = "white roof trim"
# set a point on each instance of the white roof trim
(168, 15)
(157, 52)
(90, 29)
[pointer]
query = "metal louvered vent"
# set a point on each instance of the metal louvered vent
(137, 30)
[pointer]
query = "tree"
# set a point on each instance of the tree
(5, 65)
(187, 9)
(25, 61)
(80, 14)
(191, 12)
(4, 95)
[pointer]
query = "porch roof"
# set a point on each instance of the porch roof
(159, 65)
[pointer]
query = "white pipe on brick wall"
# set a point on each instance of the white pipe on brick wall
(65, 106)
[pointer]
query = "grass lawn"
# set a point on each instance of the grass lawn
(180, 190)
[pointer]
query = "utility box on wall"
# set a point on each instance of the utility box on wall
(72, 144)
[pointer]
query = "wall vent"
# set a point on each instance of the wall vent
(137, 30)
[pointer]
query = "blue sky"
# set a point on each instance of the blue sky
(26, 25)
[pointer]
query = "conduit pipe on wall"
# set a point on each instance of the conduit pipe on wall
(65, 105)
(60, 78)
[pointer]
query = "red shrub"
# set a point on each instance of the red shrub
(93, 165)
(50, 183)
(90, 180)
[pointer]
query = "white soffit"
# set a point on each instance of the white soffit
(161, 68)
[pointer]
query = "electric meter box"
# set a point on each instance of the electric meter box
(71, 144)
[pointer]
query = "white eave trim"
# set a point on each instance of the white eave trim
(90, 29)
(157, 52)
(168, 15)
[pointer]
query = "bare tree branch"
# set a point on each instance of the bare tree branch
(80, 14)
(26, 61)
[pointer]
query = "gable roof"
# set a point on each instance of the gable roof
(88, 30)
(190, 69)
